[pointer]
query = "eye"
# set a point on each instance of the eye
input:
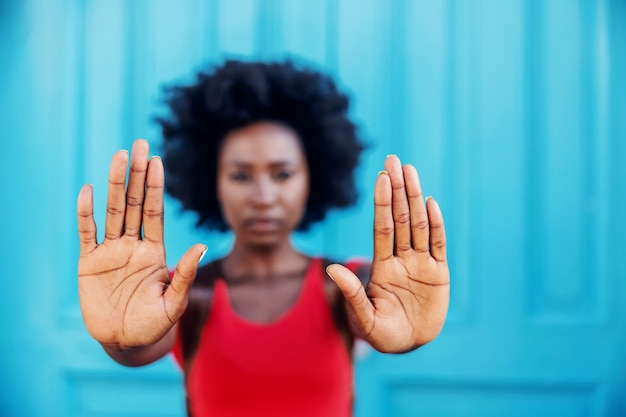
(283, 175)
(239, 176)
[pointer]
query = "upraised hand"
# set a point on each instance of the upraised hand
(126, 295)
(405, 303)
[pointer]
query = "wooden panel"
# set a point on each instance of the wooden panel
(564, 154)
(237, 27)
(493, 400)
(103, 394)
(456, 193)
(512, 112)
(305, 29)
(366, 70)
(495, 131)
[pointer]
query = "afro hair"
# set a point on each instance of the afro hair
(237, 94)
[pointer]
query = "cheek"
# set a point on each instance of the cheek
(226, 202)
(300, 197)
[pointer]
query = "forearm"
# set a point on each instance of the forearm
(142, 355)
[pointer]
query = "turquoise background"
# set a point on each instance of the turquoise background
(514, 113)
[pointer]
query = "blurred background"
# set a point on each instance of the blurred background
(514, 113)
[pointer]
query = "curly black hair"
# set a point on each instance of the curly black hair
(237, 94)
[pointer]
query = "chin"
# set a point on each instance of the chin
(264, 244)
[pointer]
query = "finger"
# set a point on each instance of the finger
(360, 307)
(86, 223)
(383, 218)
(419, 218)
(175, 296)
(136, 188)
(437, 230)
(116, 200)
(399, 205)
(153, 206)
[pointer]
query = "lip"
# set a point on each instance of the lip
(262, 225)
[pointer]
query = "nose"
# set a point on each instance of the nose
(264, 193)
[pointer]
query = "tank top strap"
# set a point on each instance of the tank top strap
(220, 299)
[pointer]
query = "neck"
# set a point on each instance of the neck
(263, 262)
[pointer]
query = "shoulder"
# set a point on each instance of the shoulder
(361, 267)
(202, 288)
(208, 274)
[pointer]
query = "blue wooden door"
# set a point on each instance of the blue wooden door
(514, 113)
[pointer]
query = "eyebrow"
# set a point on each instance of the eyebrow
(246, 164)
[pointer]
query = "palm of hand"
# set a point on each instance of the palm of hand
(408, 296)
(126, 295)
(121, 286)
(406, 300)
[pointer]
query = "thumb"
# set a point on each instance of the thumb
(176, 294)
(360, 308)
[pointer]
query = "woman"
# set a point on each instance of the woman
(263, 150)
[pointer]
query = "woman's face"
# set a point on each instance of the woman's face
(262, 182)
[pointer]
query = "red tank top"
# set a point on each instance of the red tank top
(295, 366)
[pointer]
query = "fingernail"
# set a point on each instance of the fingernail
(391, 154)
(429, 198)
(203, 253)
(383, 172)
(331, 277)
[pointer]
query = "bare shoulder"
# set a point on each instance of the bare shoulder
(361, 267)
(202, 288)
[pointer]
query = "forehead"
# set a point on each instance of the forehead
(263, 142)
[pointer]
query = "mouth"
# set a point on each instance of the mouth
(262, 225)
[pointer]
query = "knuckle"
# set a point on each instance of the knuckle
(436, 226)
(422, 224)
(155, 186)
(153, 213)
(416, 194)
(383, 231)
(135, 170)
(134, 201)
(403, 248)
(84, 214)
(115, 211)
(183, 273)
(397, 186)
(439, 243)
(402, 218)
